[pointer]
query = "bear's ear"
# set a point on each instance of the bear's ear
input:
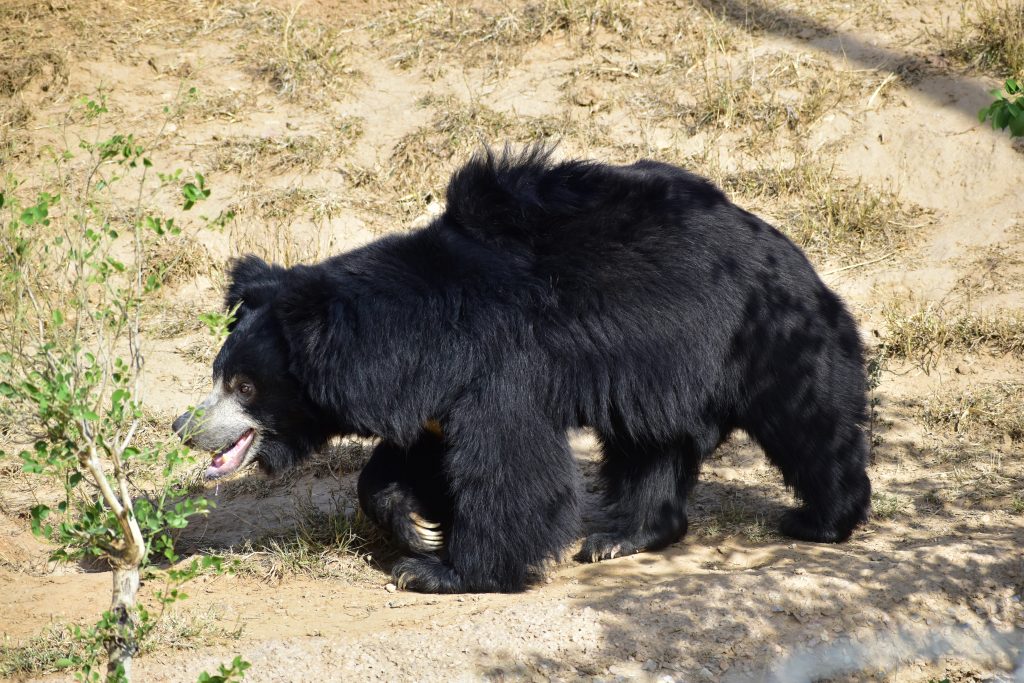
(252, 283)
(317, 322)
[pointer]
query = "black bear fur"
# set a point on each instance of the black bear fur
(635, 300)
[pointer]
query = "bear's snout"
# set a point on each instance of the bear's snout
(181, 425)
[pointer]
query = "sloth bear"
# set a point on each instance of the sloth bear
(635, 300)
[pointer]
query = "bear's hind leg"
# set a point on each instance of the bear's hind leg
(645, 491)
(823, 458)
(404, 492)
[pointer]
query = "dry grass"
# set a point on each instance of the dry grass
(45, 73)
(47, 67)
(990, 38)
(286, 225)
(186, 629)
(329, 543)
(227, 105)
(806, 18)
(301, 59)
(826, 214)
(256, 156)
(175, 259)
(888, 506)
(992, 269)
(422, 161)
(167, 319)
(732, 517)
(494, 37)
(922, 332)
(290, 203)
(179, 629)
(767, 93)
(39, 654)
(991, 412)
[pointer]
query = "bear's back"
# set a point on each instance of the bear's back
(527, 199)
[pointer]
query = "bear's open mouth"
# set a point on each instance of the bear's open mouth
(231, 458)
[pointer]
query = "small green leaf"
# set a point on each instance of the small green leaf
(39, 514)
(1017, 127)
(1002, 118)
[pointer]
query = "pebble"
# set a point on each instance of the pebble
(391, 588)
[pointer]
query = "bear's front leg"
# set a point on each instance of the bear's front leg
(427, 574)
(405, 493)
(512, 479)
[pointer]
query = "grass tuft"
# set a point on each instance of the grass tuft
(824, 213)
(17, 73)
(496, 39)
(772, 92)
(262, 155)
(183, 629)
(888, 506)
(992, 39)
(327, 543)
(39, 654)
(993, 411)
(299, 58)
(177, 259)
(923, 332)
(734, 518)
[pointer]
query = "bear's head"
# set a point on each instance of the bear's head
(258, 410)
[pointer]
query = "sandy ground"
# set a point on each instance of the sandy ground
(326, 127)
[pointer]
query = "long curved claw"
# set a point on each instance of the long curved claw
(421, 522)
(429, 533)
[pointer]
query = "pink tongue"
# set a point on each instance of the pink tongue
(231, 459)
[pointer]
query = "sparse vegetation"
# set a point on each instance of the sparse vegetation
(300, 58)
(991, 37)
(326, 542)
(1007, 111)
(995, 268)
(177, 259)
(44, 653)
(826, 214)
(495, 39)
(990, 411)
(258, 156)
(781, 90)
(57, 646)
(922, 332)
(888, 506)
(73, 365)
(421, 161)
(734, 518)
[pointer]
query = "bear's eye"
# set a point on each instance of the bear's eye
(245, 388)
